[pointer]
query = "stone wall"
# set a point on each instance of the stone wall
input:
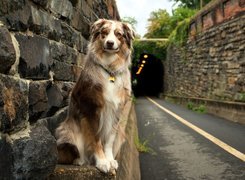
(42, 45)
(211, 65)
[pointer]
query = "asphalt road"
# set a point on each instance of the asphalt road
(179, 152)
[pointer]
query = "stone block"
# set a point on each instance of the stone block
(8, 6)
(75, 3)
(7, 51)
(81, 23)
(42, 22)
(28, 154)
(63, 53)
(69, 35)
(38, 100)
(63, 71)
(13, 103)
(63, 8)
(18, 20)
(35, 58)
(46, 98)
(54, 121)
(6, 158)
(58, 94)
(76, 20)
(83, 44)
(42, 3)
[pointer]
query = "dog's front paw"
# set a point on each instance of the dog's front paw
(114, 164)
(103, 165)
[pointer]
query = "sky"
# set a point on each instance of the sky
(141, 9)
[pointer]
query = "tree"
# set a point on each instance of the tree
(180, 14)
(159, 24)
(130, 20)
(192, 4)
(133, 22)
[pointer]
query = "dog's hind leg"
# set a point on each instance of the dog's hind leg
(67, 144)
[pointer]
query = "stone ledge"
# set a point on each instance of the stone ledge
(71, 172)
(233, 111)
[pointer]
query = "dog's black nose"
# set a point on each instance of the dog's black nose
(109, 44)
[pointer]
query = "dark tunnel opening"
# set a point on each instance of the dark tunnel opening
(147, 76)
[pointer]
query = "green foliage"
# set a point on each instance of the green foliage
(190, 105)
(242, 97)
(130, 20)
(142, 146)
(180, 33)
(158, 48)
(192, 4)
(133, 98)
(159, 24)
(133, 22)
(175, 27)
(197, 108)
(180, 14)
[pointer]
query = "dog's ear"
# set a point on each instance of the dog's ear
(95, 28)
(129, 33)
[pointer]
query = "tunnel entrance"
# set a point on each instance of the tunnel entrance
(147, 76)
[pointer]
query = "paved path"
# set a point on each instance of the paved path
(182, 153)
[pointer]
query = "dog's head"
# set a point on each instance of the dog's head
(112, 35)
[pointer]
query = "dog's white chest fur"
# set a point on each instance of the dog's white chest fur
(111, 90)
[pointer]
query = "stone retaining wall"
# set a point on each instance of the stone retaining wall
(211, 64)
(42, 46)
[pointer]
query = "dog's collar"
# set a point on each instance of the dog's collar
(112, 75)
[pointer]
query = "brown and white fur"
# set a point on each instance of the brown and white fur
(88, 133)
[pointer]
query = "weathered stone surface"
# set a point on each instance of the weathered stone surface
(7, 51)
(54, 121)
(69, 36)
(30, 154)
(35, 156)
(65, 72)
(42, 3)
(129, 167)
(42, 22)
(6, 158)
(13, 103)
(75, 172)
(18, 20)
(62, 53)
(34, 57)
(58, 95)
(63, 8)
(38, 100)
(46, 98)
(8, 6)
(212, 66)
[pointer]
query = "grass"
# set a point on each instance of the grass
(197, 108)
(142, 146)
(133, 98)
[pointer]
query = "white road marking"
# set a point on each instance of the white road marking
(215, 140)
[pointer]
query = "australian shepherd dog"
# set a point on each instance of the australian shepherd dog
(88, 134)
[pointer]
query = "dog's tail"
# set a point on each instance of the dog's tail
(66, 146)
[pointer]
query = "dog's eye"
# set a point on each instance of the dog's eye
(118, 34)
(104, 33)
